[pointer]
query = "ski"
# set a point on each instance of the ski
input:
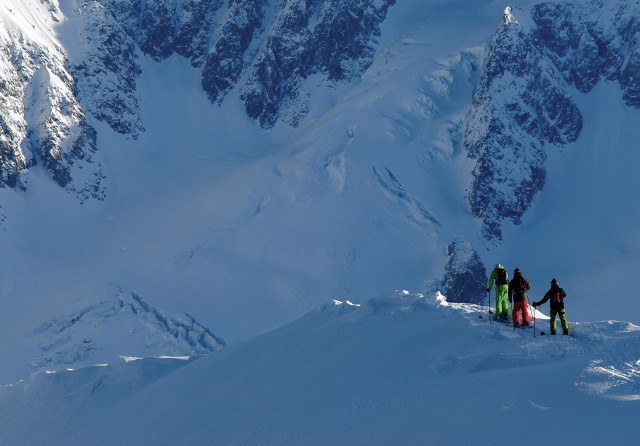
(525, 326)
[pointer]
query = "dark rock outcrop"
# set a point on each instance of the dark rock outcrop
(465, 275)
(523, 102)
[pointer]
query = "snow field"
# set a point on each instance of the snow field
(400, 368)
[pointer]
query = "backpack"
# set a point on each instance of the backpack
(501, 276)
(520, 287)
(556, 298)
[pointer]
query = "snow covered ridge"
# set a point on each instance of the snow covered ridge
(524, 100)
(612, 364)
(401, 368)
(124, 325)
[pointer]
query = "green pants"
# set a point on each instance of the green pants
(502, 301)
(563, 321)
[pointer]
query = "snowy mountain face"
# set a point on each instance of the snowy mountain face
(243, 161)
(524, 101)
(71, 74)
(239, 163)
(265, 50)
(42, 121)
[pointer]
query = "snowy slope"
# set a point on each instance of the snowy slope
(244, 229)
(208, 214)
(400, 369)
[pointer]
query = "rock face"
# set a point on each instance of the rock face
(333, 38)
(523, 102)
(107, 69)
(465, 276)
(42, 121)
(265, 49)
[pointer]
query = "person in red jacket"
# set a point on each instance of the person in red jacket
(518, 294)
(556, 297)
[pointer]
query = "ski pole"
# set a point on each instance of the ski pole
(489, 305)
(534, 321)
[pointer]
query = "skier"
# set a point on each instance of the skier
(500, 276)
(518, 292)
(556, 297)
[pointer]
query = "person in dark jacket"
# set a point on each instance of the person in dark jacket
(556, 297)
(518, 294)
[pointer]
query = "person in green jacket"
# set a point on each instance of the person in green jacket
(500, 277)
